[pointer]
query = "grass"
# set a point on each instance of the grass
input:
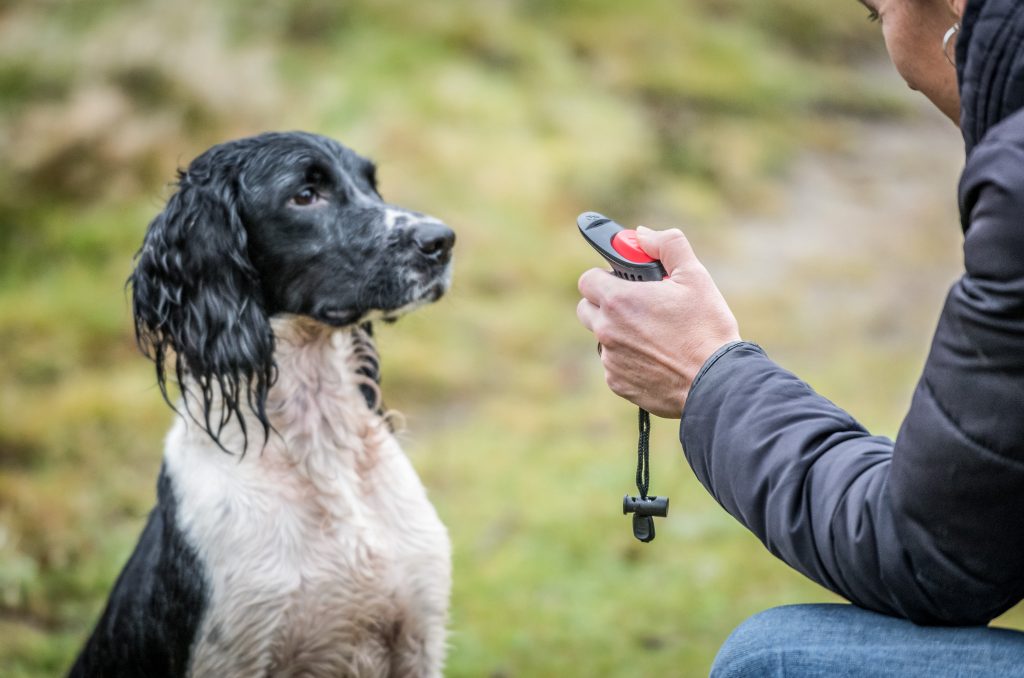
(506, 119)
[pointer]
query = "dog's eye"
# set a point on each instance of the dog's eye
(305, 197)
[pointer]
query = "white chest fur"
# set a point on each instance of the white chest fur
(322, 553)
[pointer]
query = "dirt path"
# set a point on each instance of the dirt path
(849, 275)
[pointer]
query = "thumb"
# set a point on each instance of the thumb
(671, 247)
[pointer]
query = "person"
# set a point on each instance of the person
(924, 534)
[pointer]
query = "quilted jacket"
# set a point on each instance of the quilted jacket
(930, 526)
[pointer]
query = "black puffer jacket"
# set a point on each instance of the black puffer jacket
(931, 526)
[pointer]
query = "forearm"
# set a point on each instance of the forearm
(815, 487)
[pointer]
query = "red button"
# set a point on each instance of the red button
(626, 244)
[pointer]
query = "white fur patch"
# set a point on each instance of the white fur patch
(324, 556)
(396, 217)
(420, 295)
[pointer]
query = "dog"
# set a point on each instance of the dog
(291, 535)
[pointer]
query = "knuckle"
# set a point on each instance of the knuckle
(581, 308)
(616, 302)
(580, 282)
(618, 386)
(606, 336)
(590, 281)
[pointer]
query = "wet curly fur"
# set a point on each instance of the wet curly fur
(310, 548)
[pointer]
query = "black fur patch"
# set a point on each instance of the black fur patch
(154, 611)
(276, 223)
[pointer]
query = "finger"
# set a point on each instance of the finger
(671, 247)
(595, 285)
(587, 314)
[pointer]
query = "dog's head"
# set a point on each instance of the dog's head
(273, 224)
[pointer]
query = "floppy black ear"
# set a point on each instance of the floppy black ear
(196, 295)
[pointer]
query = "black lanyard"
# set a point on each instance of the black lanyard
(644, 508)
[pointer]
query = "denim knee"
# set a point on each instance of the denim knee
(843, 640)
(757, 647)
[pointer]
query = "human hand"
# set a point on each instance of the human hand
(655, 336)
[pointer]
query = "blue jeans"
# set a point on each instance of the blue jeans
(843, 640)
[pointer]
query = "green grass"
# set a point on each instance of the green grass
(506, 119)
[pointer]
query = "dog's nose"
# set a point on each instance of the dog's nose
(434, 239)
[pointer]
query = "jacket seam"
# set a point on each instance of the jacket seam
(718, 355)
(977, 442)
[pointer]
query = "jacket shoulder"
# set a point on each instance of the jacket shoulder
(996, 161)
(992, 204)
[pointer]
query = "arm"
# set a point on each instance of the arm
(930, 527)
(826, 497)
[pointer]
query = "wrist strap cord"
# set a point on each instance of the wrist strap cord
(644, 508)
(643, 454)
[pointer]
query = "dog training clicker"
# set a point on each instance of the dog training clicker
(620, 248)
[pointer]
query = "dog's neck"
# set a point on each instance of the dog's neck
(325, 401)
(327, 360)
(318, 404)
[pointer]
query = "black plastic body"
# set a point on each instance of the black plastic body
(651, 506)
(598, 230)
(643, 528)
(643, 511)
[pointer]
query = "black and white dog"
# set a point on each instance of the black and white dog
(291, 535)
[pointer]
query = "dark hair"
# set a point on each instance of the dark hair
(196, 294)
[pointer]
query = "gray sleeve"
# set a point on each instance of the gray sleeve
(931, 526)
(823, 495)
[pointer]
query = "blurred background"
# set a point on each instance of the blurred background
(819, 191)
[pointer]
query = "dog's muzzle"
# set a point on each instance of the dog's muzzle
(434, 240)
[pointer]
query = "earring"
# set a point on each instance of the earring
(948, 38)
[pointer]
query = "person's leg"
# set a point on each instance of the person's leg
(843, 640)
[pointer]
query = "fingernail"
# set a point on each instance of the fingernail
(642, 229)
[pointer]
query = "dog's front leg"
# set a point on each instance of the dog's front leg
(419, 654)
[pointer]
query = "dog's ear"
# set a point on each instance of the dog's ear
(196, 294)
